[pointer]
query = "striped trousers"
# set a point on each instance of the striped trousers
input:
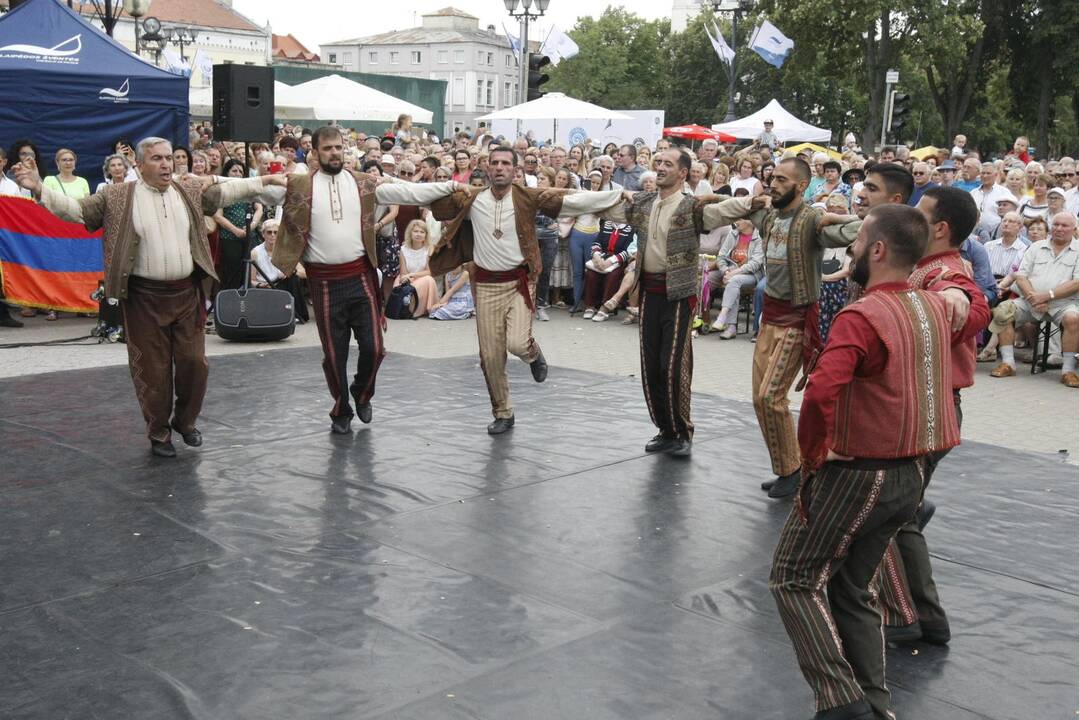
(907, 591)
(503, 324)
(827, 556)
(777, 358)
(343, 308)
(667, 361)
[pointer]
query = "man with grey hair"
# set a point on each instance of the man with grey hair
(605, 164)
(707, 152)
(922, 182)
(158, 264)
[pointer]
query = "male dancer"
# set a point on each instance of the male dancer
(669, 226)
(328, 221)
(158, 263)
(876, 403)
(496, 229)
(908, 596)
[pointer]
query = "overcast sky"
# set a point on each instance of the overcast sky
(321, 21)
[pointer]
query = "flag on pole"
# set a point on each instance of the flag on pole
(772, 45)
(174, 63)
(515, 44)
(205, 65)
(723, 50)
(559, 46)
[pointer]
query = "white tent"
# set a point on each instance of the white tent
(556, 109)
(201, 100)
(337, 98)
(786, 126)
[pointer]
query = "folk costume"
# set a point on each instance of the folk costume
(908, 595)
(328, 222)
(158, 264)
(886, 365)
(499, 236)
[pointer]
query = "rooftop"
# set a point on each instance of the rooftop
(201, 13)
(287, 46)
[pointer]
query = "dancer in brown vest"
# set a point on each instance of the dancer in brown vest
(877, 402)
(328, 221)
(158, 263)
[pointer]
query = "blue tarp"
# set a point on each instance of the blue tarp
(67, 84)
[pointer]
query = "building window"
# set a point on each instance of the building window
(490, 58)
(394, 55)
(480, 55)
(333, 58)
(490, 92)
(443, 56)
(509, 61)
(506, 99)
(417, 57)
(479, 92)
(458, 56)
(458, 91)
(372, 57)
(346, 59)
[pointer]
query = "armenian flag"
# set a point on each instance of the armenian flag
(46, 262)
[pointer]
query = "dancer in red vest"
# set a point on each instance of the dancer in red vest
(877, 402)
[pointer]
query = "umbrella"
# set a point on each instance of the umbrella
(698, 132)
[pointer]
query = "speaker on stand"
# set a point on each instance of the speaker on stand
(243, 103)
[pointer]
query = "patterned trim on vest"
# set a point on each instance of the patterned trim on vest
(803, 262)
(683, 241)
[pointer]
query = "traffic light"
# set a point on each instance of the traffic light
(900, 113)
(536, 76)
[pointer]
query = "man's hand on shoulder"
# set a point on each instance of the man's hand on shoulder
(761, 202)
(278, 180)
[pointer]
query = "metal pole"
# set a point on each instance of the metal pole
(734, 69)
(522, 94)
(887, 113)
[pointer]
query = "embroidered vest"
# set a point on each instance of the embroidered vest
(683, 241)
(804, 255)
(907, 410)
(965, 352)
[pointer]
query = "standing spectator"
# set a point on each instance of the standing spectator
(988, 192)
(745, 179)
(605, 164)
(181, 160)
(696, 182)
(585, 230)
(922, 182)
(233, 230)
(561, 278)
(462, 166)
(648, 181)
(547, 236)
(1038, 204)
(115, 171)
(215, 159)
(200, 163)
(1016, 181)
(832, 182)
(628, 174)
(290, 148)
(818, 179)
(7, 185)
(947, 170)
(65, 181)
(969, 179)
(706, 154)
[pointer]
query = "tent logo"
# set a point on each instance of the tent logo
(66, 52)
(577, 136)
(117, 96)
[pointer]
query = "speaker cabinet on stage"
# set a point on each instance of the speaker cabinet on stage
(243, 103)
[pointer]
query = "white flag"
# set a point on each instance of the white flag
(559, 46)
(205, 65)
(771, 44)
(174, 63)
(723, 50)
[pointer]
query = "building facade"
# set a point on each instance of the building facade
(478, 66)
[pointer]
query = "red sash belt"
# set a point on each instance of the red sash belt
(338, 271)
(801, 317)
(518, 275)
(655, 283)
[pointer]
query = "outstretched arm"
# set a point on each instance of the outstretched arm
(727, 211)
(405, 193)
(223, 194)
(88, 212)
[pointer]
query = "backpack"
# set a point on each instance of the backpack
(402, 302)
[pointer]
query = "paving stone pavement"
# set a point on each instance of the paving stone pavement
(1032, 413)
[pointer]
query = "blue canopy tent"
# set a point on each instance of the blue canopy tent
(67, 84)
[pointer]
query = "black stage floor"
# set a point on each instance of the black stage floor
(420, 569)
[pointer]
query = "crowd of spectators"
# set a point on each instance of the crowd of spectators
(589, 263)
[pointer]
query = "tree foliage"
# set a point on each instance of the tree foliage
(991, 69)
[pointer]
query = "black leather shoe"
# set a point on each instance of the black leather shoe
(860, 710)
(500, 425)
(660, 443)
(162, 449)
(925, 513)
(786, 485)
(364, 413)
(191, 439)
(936, 634)
(767, 484)
(10, 322)
(341, 425)
(539, 368)
(681, 448)
(902, 634)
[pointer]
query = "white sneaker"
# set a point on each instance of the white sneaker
(541, 314)
(1055, 360)
(588, 314)
(728, 333)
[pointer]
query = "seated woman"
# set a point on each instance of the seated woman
(264, 274)
(415, 251)
(629, 288)
(738, 264)
(457, 302)
(611, 251)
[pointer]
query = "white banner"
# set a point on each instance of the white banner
(646, 128)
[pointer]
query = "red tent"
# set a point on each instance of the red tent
(698, 132)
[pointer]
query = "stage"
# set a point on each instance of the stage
(422, 569)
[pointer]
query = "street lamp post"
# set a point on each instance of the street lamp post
(737, 8)
(525, 15)
(136, 9)
(182, 36)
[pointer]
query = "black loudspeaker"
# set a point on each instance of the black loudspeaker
(243, 103)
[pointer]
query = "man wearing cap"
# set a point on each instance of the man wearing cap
(495, 228)
(388, 165)
(767, 138)
(946, 170)
(1047, 282)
